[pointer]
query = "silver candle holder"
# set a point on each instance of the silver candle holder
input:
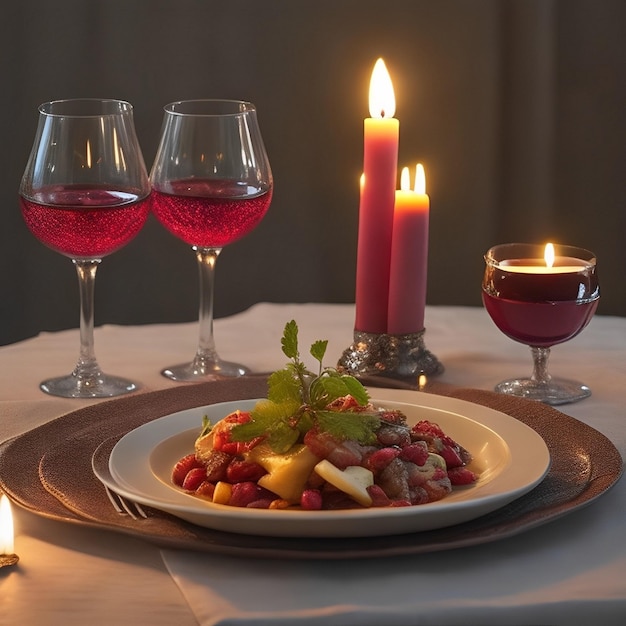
(401, 357)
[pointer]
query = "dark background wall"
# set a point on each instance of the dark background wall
(515, 107)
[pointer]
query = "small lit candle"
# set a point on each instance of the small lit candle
(378, 184)
(7, 551)
(409, 256)
(550, 264)
(550, 277)
(6, 526)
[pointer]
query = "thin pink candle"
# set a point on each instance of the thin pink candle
(409, 256)
(378, 183)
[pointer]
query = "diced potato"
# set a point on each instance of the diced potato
(287, 473)
(353, 481)
(222, 493)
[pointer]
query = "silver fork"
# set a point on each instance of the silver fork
(124, 506)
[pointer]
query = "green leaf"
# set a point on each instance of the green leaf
(207, 427)
(318, 350)
(327, 388)
(347, 425)
(283, 386)
(248, 431)
(356, 389)
(271, 420)
(297, 399)
(271, 412)
(282, 437)
(289, 341)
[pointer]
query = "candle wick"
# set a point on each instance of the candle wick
(382, 113)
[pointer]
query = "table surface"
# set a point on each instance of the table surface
(563, 572)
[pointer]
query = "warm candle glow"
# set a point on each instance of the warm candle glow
(6, 526)
(405, 182)
(382, 100)
(420, 179)
(548, 255)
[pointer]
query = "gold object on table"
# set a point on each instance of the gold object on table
(8, 559)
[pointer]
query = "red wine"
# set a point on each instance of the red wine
(539, 324)
(86, 223)
(210, 213)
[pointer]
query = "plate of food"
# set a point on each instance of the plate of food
(320, 458)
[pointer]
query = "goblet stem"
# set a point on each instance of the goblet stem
(540, 365)
(206, 364)
(87, 380)
(207, 257)
(87, 365)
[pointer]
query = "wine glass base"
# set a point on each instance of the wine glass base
(554, 392)
(97, 386)
(202, 370)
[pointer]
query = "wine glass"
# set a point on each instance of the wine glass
(84, 193)
(541, 296)
(211, 185)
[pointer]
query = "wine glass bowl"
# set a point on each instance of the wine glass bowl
(84, 194)
(541, 296)
(211, 185)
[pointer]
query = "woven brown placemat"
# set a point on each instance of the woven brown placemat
(48, 470)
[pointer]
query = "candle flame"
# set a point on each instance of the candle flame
(548, 255)
(405, 182)
(6, 526)
(382, 99)
(88, 154)
(420, 179)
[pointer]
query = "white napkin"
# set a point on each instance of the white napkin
(498, 583)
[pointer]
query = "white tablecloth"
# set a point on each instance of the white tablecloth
(572, 571)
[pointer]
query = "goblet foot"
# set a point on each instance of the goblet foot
(554, 391)
(203, 369)
(97, 385)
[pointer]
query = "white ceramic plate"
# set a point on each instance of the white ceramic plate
(510, 457)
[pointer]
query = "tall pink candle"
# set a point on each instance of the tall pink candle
(380, 162)
(409, 257)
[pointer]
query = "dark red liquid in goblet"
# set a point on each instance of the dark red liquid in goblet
(84, 222)
(210, 213)
(541, 309)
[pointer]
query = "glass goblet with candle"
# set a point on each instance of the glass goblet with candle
(84, 193)
(541, 296)
(212, 184)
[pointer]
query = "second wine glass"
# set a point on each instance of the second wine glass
(212, 184)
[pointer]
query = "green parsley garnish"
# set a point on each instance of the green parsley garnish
(298, 400)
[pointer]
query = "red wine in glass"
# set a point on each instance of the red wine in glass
(540, 306)
(84, 222)
(210, 213)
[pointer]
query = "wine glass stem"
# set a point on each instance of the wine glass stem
(207, 257)
(87, 365)
(540, 364)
